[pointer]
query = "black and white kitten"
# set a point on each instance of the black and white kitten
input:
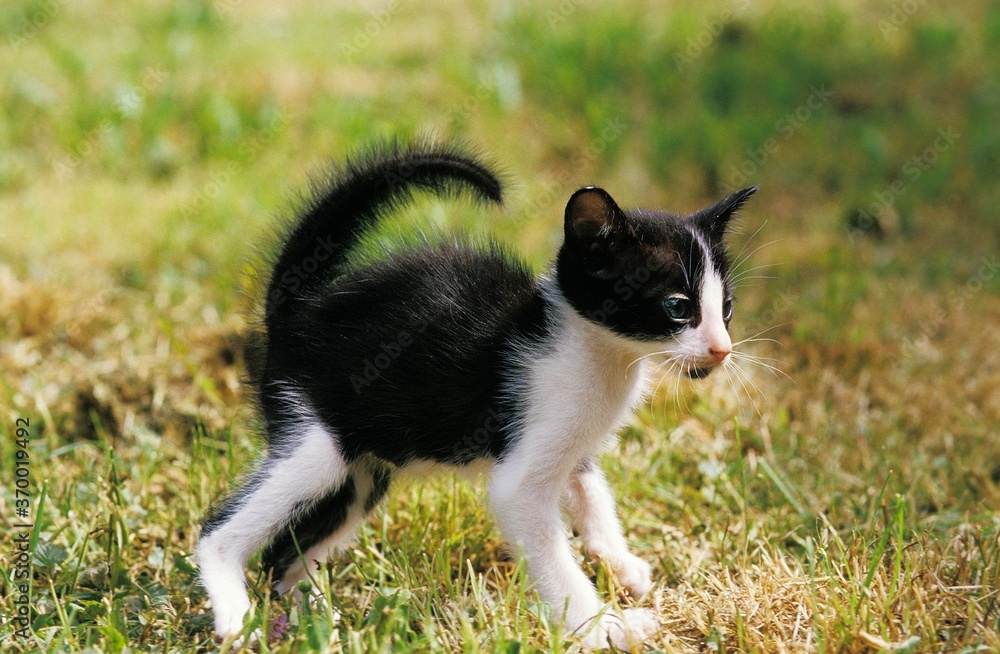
(457, 354)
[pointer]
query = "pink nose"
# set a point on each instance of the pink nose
(720, 353)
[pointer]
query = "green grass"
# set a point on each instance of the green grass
(848, 507)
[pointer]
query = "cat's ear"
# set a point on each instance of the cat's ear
(592, 218)
(715, 218)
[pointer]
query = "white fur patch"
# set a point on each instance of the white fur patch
(579, 393)
(713, 327)
(591, 509)
(288, 481)
(695, 347)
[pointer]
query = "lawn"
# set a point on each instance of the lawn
(842, 494)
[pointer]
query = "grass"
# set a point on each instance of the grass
(850, 506)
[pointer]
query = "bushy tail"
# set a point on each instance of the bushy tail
(350, 202)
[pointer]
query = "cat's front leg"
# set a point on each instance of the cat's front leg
(525, 500)
(590, 506)
(527, 511)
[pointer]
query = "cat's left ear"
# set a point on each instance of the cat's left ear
(593, 218)
(715, 218)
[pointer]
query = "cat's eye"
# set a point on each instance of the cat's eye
(678, 308)
(727, 310)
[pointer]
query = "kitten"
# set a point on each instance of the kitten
(457, 354)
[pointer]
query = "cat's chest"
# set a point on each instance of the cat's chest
(585, 392)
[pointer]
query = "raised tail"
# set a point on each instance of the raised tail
(348, 204)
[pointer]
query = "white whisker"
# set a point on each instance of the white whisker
(741, 279)
(754, 339)
(746, 258)
(672, 363)
(736, 393)
(739, 377)
(677, 390)
(646, 356)
(758, 340)
(743, 356)
(757, 357)
(750, 380)
(743, 273)
(749, 241)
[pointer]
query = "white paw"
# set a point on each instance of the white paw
(229, 621)
(249, 641)
(228, 624)
(634, 574)
(238, 643)
(640, 624)
(622, 631)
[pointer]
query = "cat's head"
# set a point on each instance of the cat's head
(658, 279)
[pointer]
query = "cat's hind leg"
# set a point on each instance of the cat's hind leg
(290, 481)
(590, 506)
(329, 525)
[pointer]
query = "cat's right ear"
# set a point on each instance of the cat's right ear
(715, 218)
(593, 218)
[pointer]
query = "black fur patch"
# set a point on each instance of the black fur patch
(310, 527)
(381, 477)
(406, 359)
(616, 267)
